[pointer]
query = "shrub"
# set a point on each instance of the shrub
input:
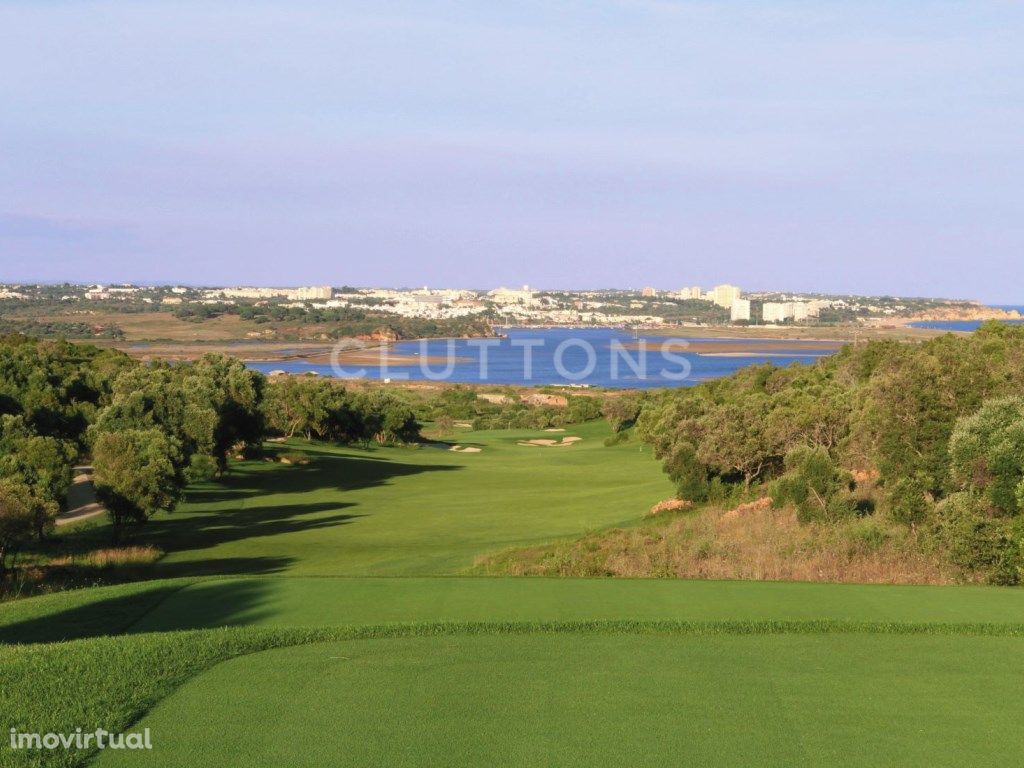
(979, 543)
(986, 454)
(618, 437)
(201, 468)
(909, 499)
(689, 474)
(814, 485)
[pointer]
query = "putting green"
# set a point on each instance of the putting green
(585, 700)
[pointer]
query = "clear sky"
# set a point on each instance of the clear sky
(848, 146)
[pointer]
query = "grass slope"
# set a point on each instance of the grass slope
(524, 700)
(111, 682)
(295, 602)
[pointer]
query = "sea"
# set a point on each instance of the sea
(966, 325)
(580, 357)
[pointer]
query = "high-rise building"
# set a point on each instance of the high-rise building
(649, 292)
(739, 310)
(774, 312)
(724, 295)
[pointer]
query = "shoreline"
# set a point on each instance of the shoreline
(723, 339)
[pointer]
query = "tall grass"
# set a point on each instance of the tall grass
(98, 566)
(752, 541)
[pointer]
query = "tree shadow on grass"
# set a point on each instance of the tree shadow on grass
(187, 532)
(326, 471)
(147, 607)
(221, 512)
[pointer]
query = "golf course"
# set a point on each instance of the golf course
(322, 613)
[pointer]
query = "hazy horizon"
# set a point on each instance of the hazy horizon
(840, 148)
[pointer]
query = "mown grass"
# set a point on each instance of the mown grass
(397, 510)
(638, 697)
(111, 682)
(394, 512)
(289, 602)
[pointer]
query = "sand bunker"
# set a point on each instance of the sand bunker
(547, 443)
(464, 449)
(463, 424)
(555, 429)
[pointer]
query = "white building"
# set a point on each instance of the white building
(97, 293)
(724, 295)
(775, 311)
(311, 293)
(778, 312)
(691, 293)
(512, 296)
(740, 310)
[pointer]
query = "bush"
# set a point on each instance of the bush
(909, 499)
(201, 468)
(691, 476)
(987, 454)
(978, 543)
(814, 485)
(618, 437)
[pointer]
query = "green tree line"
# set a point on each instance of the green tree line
(929, 434)
(150, 429)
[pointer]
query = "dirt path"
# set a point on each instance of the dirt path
(82, 502)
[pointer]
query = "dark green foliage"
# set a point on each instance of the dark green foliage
(909, 499)
(137, 472)
(615, 439)
(978, 542)
(987, 454)
(323, 409)
(688, 473)
(200, 468)
(17, 519)
(49, 393)
(622, 411)
(814, 485)
(883, 406)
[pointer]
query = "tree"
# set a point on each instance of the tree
(44, 466)
(235, 394)
(136, 473)
(622, 411)
(16, 519)
(986, 454)
(814, 485)
(386, 418)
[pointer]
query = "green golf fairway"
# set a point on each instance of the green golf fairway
(586, 700)
(404, 511)
(312, 616)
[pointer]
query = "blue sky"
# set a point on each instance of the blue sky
(860, 147)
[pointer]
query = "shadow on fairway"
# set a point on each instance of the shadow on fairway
(242, 506)
(224, 603)
(202, 530)
(327, 471)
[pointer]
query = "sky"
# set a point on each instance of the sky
(852, 147)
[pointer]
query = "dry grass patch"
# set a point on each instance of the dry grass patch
(752, 541)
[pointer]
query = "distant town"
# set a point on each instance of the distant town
(723, 304)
